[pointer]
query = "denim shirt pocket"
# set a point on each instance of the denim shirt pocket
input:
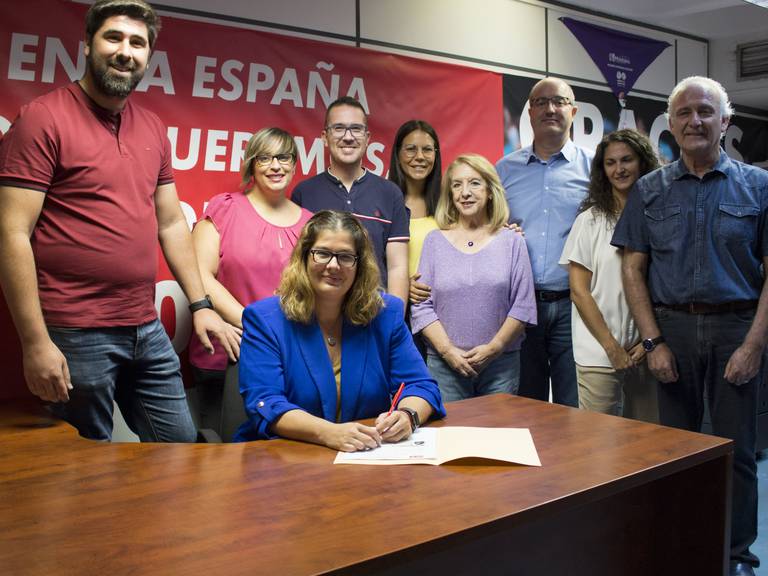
(663, 225)
(737, 222)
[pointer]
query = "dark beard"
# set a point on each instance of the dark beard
(111, 84)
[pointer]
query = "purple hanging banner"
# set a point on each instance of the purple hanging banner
(621, 57)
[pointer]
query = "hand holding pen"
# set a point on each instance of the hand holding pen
(394, 425)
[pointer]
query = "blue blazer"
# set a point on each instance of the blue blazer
(284, 365)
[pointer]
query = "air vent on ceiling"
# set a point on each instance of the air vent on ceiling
(752, 60)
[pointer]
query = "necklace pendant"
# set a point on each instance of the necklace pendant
(470, 243)
(331, 341)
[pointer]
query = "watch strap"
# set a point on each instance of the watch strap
(413, 416)
(200, 304)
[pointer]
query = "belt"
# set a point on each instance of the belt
(551, 295)
(704, 308)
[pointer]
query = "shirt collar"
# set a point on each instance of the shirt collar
(722, 166)
(333, 177)
(568, 152)
(82, 96)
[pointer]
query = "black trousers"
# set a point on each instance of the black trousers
(702, 345)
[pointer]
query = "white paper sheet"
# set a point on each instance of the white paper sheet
(440, 445)
(421, 445)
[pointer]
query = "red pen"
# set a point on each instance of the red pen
(396, 398)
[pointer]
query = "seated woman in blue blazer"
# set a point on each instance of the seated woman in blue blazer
(331, 349)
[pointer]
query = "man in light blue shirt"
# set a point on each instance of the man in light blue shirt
(545, 184)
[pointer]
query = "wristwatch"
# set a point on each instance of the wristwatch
(200, 304)
(412, 415)
(649, 344)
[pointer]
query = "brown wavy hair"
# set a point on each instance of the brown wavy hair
(600, 193)
(363, 301)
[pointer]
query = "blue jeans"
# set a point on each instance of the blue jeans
(702, 346)
(501, 375)
(548, 353)
(135, 366)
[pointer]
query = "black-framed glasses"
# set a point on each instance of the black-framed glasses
(266, 159)
(345, 259)
(411, 150)
(556, 101)
(340, 130)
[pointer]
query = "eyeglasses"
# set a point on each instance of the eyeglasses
(266, 159)
(556, 101)
(340, 130)
(345, 259)
(411, 150)
(475, 185)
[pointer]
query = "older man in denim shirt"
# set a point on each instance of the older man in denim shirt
(545, 183)
(695, 239)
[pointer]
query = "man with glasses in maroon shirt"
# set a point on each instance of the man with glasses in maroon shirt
(86, 188)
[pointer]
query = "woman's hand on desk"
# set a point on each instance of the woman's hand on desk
(394, 427)
(351, 437)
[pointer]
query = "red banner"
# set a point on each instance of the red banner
(215, 85)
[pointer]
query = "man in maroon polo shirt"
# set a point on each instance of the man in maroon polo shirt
(86, 187)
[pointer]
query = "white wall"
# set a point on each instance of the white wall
(723, 67)
(503, 35)
(457, 27)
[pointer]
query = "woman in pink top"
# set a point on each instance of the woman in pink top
(243, 242)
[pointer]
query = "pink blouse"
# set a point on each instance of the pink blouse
(252, 255)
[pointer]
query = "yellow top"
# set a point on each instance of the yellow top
(419, 228)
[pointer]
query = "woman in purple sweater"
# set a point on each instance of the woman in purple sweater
(482, 286)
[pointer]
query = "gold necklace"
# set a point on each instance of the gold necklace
(329, 337)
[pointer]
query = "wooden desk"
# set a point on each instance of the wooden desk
(613, 497)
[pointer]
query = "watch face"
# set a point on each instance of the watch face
(648, 345)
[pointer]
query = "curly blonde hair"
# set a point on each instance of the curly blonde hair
(363, 301)
(497, 211)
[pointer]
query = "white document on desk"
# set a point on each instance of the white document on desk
(422, 445)
(439, 445)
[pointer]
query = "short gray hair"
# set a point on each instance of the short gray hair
(726, 109)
